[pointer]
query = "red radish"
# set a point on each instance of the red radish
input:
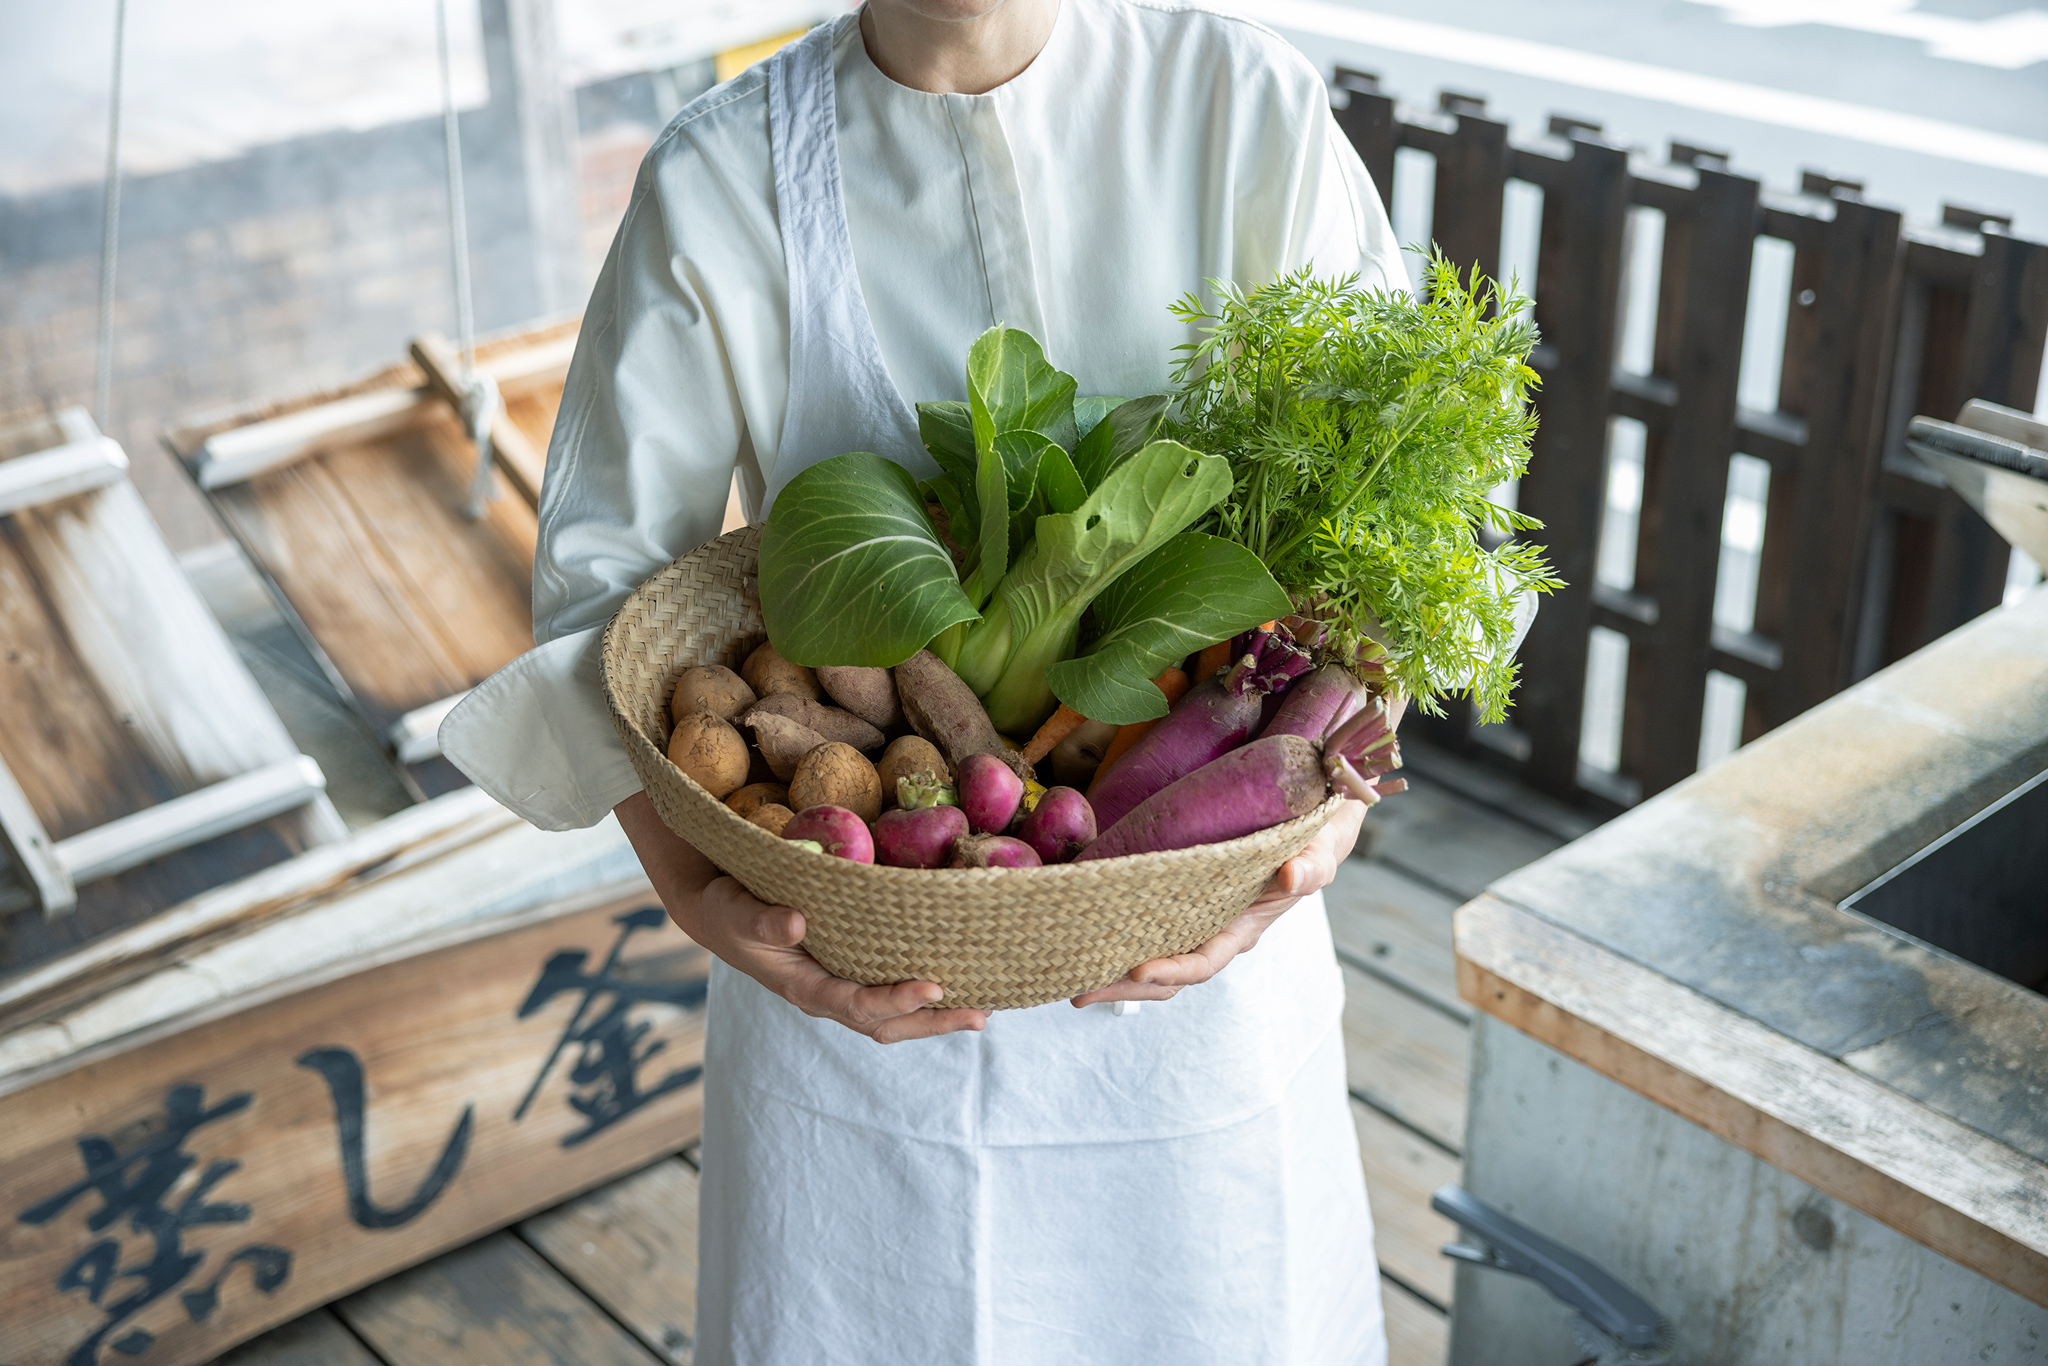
(918, 838)
(1214, 718)
(989, 793)
(832, 830)
(1246, 790)
(993, 851)
(1060, 826)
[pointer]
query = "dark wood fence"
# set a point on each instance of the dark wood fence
(1864, 557)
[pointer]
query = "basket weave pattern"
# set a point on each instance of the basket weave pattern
(993, 938)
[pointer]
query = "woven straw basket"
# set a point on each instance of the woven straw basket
(993, 938)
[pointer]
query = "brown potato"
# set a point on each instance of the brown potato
(783, 742)
(771, 816)
(710, 751)
(910, 755)
(1075, 759)
(830, 722)
(768, 673)
(835, 774)
(869, 694)
(711, 688)
(754, 795)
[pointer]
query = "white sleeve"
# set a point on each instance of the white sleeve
(1341, 226)
(642, 457)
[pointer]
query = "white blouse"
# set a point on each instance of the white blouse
(1150, 148)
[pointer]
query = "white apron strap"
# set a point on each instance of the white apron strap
(841, 395)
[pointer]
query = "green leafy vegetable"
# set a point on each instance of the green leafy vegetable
(1366, 432)
(852, 571)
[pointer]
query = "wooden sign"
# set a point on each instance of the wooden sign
(162, 1204)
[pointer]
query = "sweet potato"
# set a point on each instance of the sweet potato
(710, 751)
(835, 774)
(711, 688)
(783, 742)
(946, 712)
(768, 673)
(1246, 790)
(869, 694)
(830, 722)
(908, 757)
(754, 795)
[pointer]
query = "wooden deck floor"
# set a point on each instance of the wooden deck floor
(609, 1279)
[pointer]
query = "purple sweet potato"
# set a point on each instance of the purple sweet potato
(833, 829)
(993, 851)
(1248, 789)
(1060, 826)
(1215, 717)
(946, 712)
(918, 839)
(869, 694)
(1315, 703)
(989, 793)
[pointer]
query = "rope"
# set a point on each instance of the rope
(480, 402)
(110, 229)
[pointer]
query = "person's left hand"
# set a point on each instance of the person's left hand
(1309, 871)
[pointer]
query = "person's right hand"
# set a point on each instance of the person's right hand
(762, 941)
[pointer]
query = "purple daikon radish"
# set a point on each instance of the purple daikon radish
(1316, 704)
(1246, 790)
(1366, 740)
(1215, 717)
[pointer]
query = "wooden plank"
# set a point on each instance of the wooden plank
(1392, 927)
(315, 1339)
(1417, 1333)
(512, 450)
(1938, 1181)
(29, 481)
(632, 1247)
(193, 818)
(493, 1302)
(1838, 357)
(1405, 1058)
(1368, 120)
(31, 851)
(346, 1130)
(1702, 307)
(1447, 842)
(1401, 1172)
(1578, 292)
(241, 453)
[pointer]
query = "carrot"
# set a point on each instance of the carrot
(1062, 723)
(1174, 684)
(1212, 660)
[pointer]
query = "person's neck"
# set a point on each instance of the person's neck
(956, 56)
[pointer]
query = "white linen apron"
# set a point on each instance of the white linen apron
(1179, 1187)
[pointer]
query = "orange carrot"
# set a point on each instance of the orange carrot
(1062, 723)
(1212, 660)
(1173, 683)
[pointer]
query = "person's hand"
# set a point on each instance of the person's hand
(1307, 872)
(762, 941)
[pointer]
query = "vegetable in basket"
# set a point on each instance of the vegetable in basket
(1366, 432)
(1061, 506)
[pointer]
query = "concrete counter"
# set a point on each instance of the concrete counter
(1695, 953)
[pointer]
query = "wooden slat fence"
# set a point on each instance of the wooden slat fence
(1864, 558)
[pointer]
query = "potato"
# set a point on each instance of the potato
(783, 742)
(869, 694)
(768, 673)
(910, 755)
(836, 774)
(771, 816)
(830, 722)
(753, 795)
(710, 751)
(711, 688)
(1075, 759)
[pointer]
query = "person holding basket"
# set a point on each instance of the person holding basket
(806, 244)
